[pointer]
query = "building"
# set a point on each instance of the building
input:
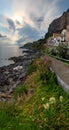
(56, 35)
(63, 35)
(56, 38)
(60, 38)
(67, 34)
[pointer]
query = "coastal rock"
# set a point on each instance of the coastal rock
(15, 74)
(4, 95)
(18, 68)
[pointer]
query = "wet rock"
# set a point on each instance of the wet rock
(15, 74)
(15, 78)
(4, 95)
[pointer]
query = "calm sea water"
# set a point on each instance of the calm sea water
(7, 51)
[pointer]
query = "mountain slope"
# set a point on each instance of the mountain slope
(58, 24)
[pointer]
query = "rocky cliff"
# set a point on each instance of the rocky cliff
(58, 24)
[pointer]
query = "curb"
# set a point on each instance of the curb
(62, 83)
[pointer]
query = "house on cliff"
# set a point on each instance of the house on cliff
(67, 35)
(60, 38)
(56, 39)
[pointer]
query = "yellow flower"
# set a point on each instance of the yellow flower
(52, 100)
(43, 99)
(61, 98)
(30, 116)
(33, 119)
(45, 120)
(46, 106)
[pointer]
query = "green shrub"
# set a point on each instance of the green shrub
(32, 68)
(46, 50)
(53, 52)
(53, 78)
(43, 65)
(8, 120)
(20, 90)
(62, 50)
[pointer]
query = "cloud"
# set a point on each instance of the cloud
(2, 36)
(4, 39)
(37, 21)
(17, 22)
(6, 24)
(38, 13)
(40, 19)
(28, 33)
(11, 24)
(36, 16)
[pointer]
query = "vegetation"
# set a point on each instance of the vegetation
(62, 50)
(31, 68)
(46, 108)
(51, 51)
(37, 45)
(43, 65)
(20, 90)
(60, 53)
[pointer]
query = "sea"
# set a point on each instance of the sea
(7, 51)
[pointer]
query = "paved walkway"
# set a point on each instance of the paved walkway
(62, 71)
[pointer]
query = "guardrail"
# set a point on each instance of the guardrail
(62, 59)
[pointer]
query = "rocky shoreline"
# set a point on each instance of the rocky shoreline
(14, 74)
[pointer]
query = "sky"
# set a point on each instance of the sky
(24, 21)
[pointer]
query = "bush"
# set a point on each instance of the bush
(20, 90)
(53, 78)
(43, 65)
(46, 50)
(53, 52)
(62, 50)
(32, 68)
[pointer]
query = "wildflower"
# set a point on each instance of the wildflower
(61, 98)
(45, 120)
(20, 123)
(38, 120)
(52, 100)
(46, 106)
(43, 99)
(41, 126)
(33, 119)
(30, 117)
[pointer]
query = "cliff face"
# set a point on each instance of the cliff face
(60, 23)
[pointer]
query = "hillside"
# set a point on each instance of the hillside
(40, 103)
(58, 24)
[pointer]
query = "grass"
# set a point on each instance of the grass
(20, 90)
(48, 109)
(31, 68)
(53, 53)
(61, 59)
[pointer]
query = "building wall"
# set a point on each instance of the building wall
(67, 35)
(56, 35)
